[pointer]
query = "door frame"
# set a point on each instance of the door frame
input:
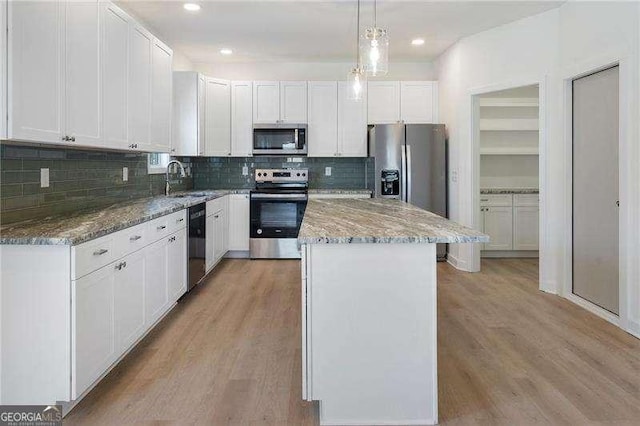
(543, 227)
(628, 200)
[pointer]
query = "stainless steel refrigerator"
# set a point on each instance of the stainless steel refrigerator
(411, 165)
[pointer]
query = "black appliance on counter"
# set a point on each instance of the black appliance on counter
(277, 206)
(197, 244)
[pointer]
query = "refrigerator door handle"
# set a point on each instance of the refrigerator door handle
(403, 172)
(408, 172)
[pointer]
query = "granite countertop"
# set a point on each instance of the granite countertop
(79, 227)
(378, 220)
(339, 191)
(509, 191)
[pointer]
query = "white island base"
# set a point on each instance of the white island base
(369, 339)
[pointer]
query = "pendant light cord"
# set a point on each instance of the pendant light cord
(375, 13)
(358, 37)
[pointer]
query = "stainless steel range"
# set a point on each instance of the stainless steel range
(277, 208)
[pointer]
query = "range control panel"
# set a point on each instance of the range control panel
(282, 175)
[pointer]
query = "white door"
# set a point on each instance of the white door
(241, 118)
(155, 284)
(525, 228)
(139, 87)
(115, 33)
(323, 119)
(219, 242)
(498, 224)
(83, 73)
(383, 102)
(352, 123)
(36, 66)
(210, 231)
(129, 300)
(266, 101)
(239, 222)
(418, 101)
(92, 322)
(177, 265)
(161, 81)
(218, 118)
(293, 101)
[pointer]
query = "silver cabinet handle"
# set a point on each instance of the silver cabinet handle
(135, 238)
(216, 216)
(618, 203)
(484, 199)
(100, 252)
(161, 227)
(73, 138)
(172, 239)
(119, 266)
(180, 220)
(124, 264)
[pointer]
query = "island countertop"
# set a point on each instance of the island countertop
(375, 220)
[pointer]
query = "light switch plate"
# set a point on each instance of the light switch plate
(125, 174)
(327, 171)
(245, 171)
(44, 178)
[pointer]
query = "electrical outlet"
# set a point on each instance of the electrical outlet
(44, 178)
(125, 174)
(245, 171)
(327, 171)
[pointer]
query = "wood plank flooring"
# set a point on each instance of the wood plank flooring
(229, 354)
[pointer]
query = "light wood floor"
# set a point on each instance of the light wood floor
(508, 355)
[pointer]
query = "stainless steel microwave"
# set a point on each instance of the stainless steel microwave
(279, 139)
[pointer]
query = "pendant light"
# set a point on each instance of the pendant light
(357, 77)
(374, 47)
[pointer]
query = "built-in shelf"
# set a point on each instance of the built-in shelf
(509, 151)
(509, 102)
(509, 124)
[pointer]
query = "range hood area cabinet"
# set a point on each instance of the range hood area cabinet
(279, 102)
(85, 74)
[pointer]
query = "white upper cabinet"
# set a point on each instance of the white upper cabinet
(383, 102)
(352, 123)
(266, 101)
(139, 87)
(115, 34)
(83, 74)
(36, 67)
(323, 119)
(293, 101)
(218, 118)
(419, 101)
(241, 118)
(161, 96)
(188, 113)
(3, 71)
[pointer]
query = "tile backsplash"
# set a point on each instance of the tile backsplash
(223, 172)
(79, 179)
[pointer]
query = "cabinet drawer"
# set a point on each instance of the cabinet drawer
(215, 205)
(165, 225)
(526, 200)
(496, 200)
(92, 255)
(130, 239)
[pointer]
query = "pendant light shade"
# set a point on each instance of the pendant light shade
(374, 48)
(357, 81)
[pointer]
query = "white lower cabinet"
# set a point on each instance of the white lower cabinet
(239, 222)
(525, 228)
(155, 288)
(511, 221)
(498, 224)
(216, 223)
(177, 270)
(130, 273)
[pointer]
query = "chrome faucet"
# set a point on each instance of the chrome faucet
(167, 187)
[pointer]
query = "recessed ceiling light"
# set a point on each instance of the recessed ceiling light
(191, 7)
(417, 41)
(226, 51)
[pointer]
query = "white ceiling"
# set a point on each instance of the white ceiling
(320, 31)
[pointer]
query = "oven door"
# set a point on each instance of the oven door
(279, 140)
(276, 215)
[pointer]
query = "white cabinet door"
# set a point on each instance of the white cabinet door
(210, 232)
(241, 118)
(161, 81)
(92, 324)
(115, 33)
(352, 123)
(155, 284)
(266, 101)
(323, 119)
(293, 101)
(219, 242)
(418, 101)
(177, 265)
(202, 105)
(525, 228)
(498, 224)
(188, 108)
(218, 118)
(36, 66)
(239, 222)
(383, 102)
(129, 300)
(139, 87)
(83, 73)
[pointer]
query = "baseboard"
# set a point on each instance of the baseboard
(594, 309)
(549, 287)
(509, 253)
(634, 328)
(376, 422)
(237, 254)
(455, 262)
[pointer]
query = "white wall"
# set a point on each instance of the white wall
(543, 47)
(309, 71)
(181, 62)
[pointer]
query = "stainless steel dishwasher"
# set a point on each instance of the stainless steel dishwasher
(197, 244)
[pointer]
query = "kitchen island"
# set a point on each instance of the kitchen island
(369, 336)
